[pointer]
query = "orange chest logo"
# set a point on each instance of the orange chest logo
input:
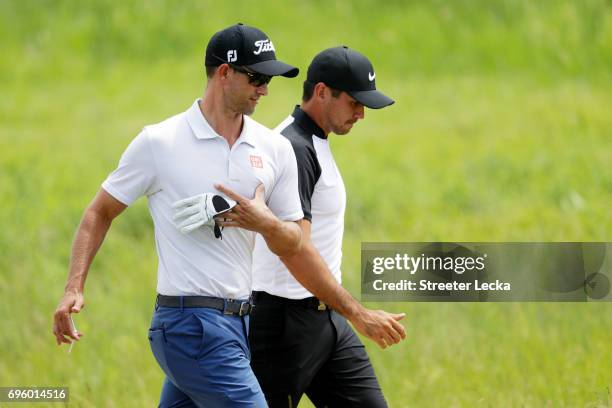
(256, 162)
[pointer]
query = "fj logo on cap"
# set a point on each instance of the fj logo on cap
(256, 162)
(263, 46)
(232, 56)
(371, 76)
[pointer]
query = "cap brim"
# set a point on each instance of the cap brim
(274, 68)
(372, 99)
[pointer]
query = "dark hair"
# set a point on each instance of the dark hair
(309, 89)
(210, 71)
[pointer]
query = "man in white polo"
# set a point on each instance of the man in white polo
(198, 332)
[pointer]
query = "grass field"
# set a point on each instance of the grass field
(502, 131)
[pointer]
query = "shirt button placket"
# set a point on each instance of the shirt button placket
(232, 173)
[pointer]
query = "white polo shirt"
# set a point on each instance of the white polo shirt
(323, 199)
(183, 156)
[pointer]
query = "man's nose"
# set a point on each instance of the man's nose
(262, 90)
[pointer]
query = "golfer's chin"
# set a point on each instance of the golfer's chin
(248, 110)
(250, 106)
(343, 130)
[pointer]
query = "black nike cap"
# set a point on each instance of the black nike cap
(348, 70)
(248, 47)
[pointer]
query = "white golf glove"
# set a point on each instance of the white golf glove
(193, 212)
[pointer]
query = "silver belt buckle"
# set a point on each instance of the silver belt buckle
(245, 308)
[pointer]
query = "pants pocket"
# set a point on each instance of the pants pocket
(157, 341)
(185, 337)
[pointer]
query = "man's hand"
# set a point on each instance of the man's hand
(72, 302)
(253, 215)
(282, 237)
(382, 327)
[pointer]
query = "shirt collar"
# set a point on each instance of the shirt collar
(248, 131)
(304, 121)
(202, 129)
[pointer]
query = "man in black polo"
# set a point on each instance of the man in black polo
(298, 344)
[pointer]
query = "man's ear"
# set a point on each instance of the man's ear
(223, 71)
(319, 90)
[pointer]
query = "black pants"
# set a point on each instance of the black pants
(297, 349)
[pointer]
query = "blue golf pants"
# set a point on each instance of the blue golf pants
(205, 356)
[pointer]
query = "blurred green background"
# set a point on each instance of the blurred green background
(502, 131)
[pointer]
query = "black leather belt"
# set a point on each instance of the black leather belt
(227, 306)
(265, 298)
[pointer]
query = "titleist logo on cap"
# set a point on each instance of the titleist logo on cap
(263, 46)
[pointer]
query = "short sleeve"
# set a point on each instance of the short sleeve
(284, 200)
(309, 172)
(136, 173)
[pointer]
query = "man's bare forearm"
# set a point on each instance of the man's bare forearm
(309, 268)
(90, 234)
(283, 238)
(88, 239)
(95, 223)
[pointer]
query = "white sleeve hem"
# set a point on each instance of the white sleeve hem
(115, 193)
(296, 216)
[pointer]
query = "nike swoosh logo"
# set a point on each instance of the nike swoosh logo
(371, 76)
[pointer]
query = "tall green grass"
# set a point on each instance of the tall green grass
(501, 132)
